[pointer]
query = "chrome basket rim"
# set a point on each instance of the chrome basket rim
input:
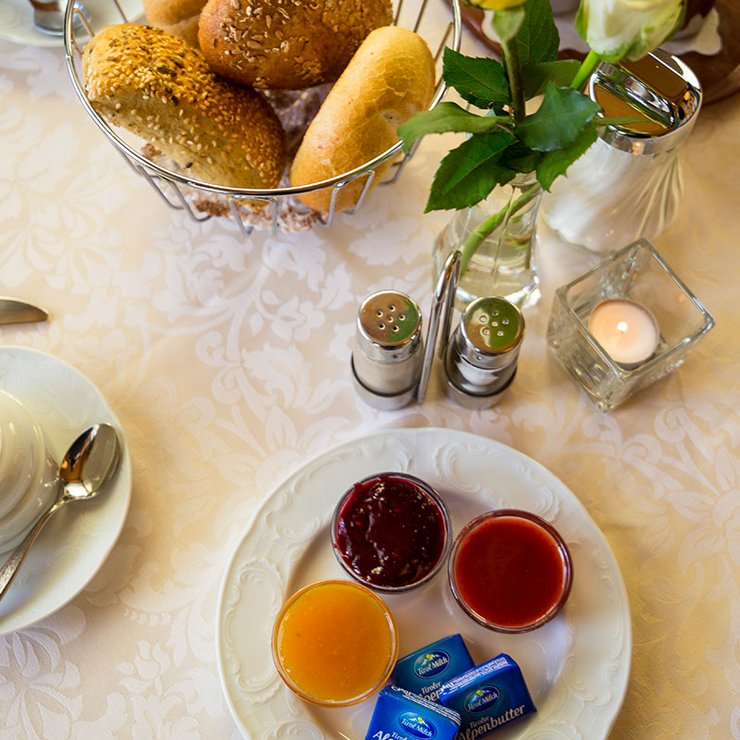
(73, 53)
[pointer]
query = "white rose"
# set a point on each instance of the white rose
(628, 29)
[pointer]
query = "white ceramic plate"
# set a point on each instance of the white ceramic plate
(78, 539)
(16, 20)
(576, 666)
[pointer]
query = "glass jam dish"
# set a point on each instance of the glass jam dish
(510, 570)
(391, 532)
(28, 473)
(335, 643)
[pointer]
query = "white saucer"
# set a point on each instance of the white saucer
(576, 666)
(77, 540)
(16, 20)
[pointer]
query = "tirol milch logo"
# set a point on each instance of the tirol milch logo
(481, 699)
(431, 664)
(416, 725)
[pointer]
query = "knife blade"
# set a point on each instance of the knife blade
(13, 311)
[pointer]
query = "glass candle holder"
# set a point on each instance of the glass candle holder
(638, 277)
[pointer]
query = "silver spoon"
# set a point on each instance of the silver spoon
(90, 461)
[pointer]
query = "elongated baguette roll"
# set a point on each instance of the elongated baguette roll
(389, 79)
(178, 17)
(161, 89)
(286, 45)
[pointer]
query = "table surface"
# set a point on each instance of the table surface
(226, 361)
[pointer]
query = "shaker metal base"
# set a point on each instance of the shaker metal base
(471, 401)
(383, 402)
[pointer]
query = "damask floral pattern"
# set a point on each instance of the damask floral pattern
(227, 362)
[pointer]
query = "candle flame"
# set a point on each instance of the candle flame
(622, 327)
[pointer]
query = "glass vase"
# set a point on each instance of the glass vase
(496, 238)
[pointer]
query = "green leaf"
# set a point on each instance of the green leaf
(564, 113)
(536, 76)
(554, 164)
(506, 23)
(479, 80)
(446, 117)
(469, 172)
(538, 37)
(520, 159)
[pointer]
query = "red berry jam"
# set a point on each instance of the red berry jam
(390, 531)
(510, 570)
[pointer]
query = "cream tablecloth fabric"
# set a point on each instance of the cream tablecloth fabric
(227, 362)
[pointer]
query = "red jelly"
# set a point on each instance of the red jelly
(510, 570)
(391, 531)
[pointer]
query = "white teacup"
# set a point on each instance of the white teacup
(28, 473)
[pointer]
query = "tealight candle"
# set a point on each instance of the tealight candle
(627, 330)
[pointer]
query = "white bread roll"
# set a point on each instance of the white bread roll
(161, 89)
(272, 44)
(389, 79)
(178, 17)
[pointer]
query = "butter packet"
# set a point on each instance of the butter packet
(488, 697)
(423, 672)
(401, 715)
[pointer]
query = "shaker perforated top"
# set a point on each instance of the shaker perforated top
(389, 318)
(492, 326)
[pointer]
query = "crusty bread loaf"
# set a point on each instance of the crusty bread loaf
(286, 45)
(178, 17)
(161, 89)
(388, 80)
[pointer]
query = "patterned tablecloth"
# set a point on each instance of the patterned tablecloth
(226, 361)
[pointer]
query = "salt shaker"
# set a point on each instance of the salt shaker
(481, 357)
(388, 350)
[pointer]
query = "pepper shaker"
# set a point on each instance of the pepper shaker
(387, 354)
(481, 357)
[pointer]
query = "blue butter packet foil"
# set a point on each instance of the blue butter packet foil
(401, 715)
(423, 672)
(488, 697)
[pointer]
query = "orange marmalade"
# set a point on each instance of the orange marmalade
(335, 643)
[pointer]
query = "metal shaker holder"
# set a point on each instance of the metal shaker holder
(392, 365)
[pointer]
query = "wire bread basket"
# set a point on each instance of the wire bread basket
(277, 208)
